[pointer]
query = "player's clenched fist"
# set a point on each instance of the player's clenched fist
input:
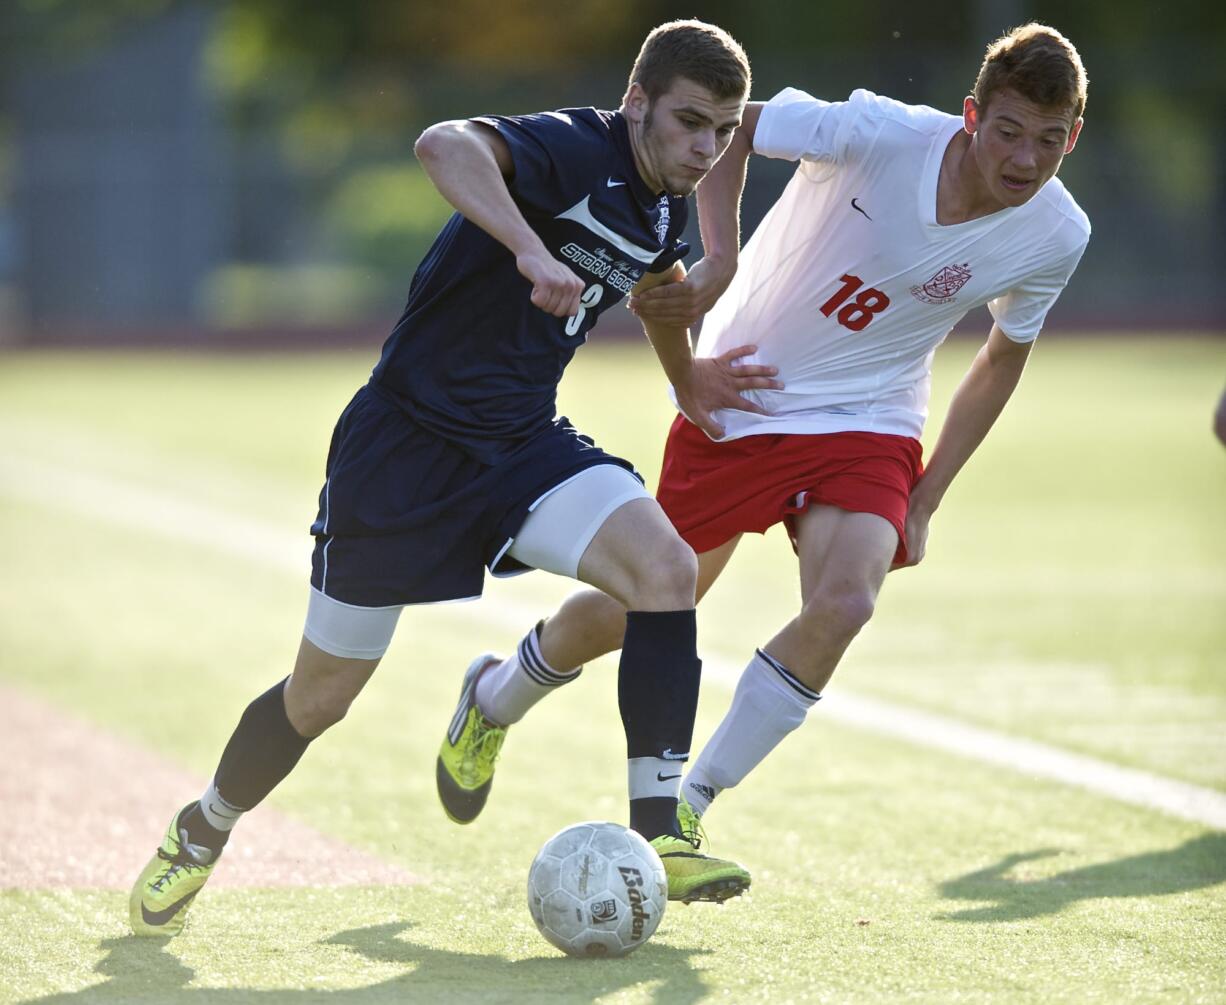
(555, 289)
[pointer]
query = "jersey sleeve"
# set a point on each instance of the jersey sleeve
(796, 126)
(1020, 313)
(555, 155)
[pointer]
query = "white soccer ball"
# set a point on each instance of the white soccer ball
(597, 889)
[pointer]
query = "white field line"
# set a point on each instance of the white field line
(271, 545)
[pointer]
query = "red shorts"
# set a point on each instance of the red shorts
(713, 491)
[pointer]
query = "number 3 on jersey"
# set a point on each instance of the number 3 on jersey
(857, 314)
(591, 297)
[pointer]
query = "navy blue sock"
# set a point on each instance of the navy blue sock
(657, 694)
(263, 750)
(199, 830)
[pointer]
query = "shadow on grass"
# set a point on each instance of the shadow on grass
(142, 969)
(1194, 865)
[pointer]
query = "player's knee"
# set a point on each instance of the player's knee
(841, 613)
(320, 715)
(665, 577)
(317, 706)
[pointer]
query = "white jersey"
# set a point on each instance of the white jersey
(849, 284)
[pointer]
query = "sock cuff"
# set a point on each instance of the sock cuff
(534, 665)
(805, 694)
(671, 634)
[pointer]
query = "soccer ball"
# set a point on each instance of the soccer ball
(597, 889)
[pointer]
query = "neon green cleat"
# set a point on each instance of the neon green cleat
(696, 877)
(169, 883)
(690, 823)
(465, 769)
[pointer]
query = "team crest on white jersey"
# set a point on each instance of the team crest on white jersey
(663, 222)
(942, 287)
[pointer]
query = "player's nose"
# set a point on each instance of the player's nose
(1025, 155)
(704, 146)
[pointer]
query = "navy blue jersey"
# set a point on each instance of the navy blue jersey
(471, 358)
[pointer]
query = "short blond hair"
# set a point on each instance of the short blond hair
(697, 51)
(1038, 63)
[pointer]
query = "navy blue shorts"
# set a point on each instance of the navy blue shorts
(408, 517)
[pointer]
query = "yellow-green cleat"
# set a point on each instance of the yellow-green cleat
(169, 883)
(693, 876)
(690, 823)
(465, 769)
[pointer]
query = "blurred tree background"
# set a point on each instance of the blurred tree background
(176, 167)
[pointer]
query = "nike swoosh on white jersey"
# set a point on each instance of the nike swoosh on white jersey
(581, 213)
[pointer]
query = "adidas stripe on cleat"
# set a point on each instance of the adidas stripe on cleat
(167, 886)
(465, 768)
(693, 876)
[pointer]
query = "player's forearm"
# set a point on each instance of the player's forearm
(719, 204)
(976, 405)
(464, 170)
(674, 351)
(719, 195)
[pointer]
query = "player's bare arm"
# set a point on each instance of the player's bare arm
(979, 399)
(719, 206)
(469, 163)
(702, 385)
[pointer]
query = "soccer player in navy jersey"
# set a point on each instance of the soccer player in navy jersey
(451, 459)
(898, 220)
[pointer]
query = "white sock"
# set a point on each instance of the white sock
(768, 704)
(218, 813)
(507, 691)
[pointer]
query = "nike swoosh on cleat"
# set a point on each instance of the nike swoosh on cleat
(162, 917)
(664, 778)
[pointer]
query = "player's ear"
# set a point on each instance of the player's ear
(636, 104)
(1072, 136)
(970, 114)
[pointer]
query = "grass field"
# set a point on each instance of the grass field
(155, 507)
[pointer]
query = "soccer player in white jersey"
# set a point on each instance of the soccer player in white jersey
(898, 220)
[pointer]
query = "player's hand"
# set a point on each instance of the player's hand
(685, 302)
(919, 515)
(555, 289)
(717, 382)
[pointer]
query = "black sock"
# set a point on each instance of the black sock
(657, 694)
(263, 750)
(200, 831)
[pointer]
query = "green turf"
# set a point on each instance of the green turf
(1073, 593)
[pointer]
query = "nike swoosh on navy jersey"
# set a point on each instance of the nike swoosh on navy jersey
(614, 184)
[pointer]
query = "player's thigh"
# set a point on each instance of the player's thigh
(843, 551)
(341, 647)
(636, 553)
(561, 527)
(711, 564)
